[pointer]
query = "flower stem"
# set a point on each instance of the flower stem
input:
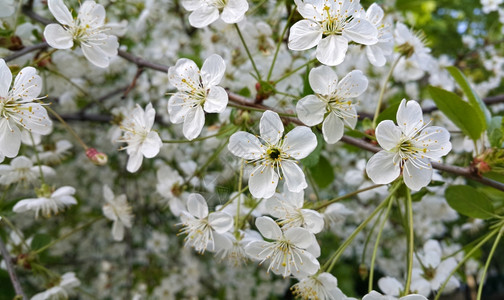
(294, 71)
(38, 251)
(248, 52)
(334, 258)
(232, 199)
(329, 202)
(237, 221)
(68, 128)
(487, 264)
(280, 40)
(409, 207)
(375, 249)
(383, 88)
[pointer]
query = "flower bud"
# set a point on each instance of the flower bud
(98, 158)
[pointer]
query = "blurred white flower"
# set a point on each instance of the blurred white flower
(20, 169)
(205, 12)
(48, 202)
(118, 210)
(68, 282)
(323, 286)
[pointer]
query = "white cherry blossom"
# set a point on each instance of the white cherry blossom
(88, 31)
(331, 102)
(200, 226)
(142, 141)
(274, 157)
(18, 110)
(377, 53)
(293, 251)
(288, 208)
(65, 287)
(118, 210)
(198, 92)
(48, 202)
(374, 295)
(331, 25)
(20, 169)
(408, 147)
(323, 286)
(205, 12)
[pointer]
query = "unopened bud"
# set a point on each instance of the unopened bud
(98, 158)
(363, 271)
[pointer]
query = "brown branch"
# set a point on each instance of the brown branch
(26, 50)
(11, 271)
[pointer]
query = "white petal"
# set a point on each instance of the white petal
(300, 237)
(309, 265)
(352, 85)
(374, 14)
(409, 117)
(323, 80)
(118, 231)
(91, 14)
(213, 70)
(95, 55)
(331, 50)
(332, 128)
(191, 5)
(60, 12)
(245, 145)
(63, 191)
(375, 55)
(27, 84)
(110, 46)
(313, 220)
(413, 297)
(435, 140)
(304, 35)
(178, 109)
(255, 249)
(271, 127)
(10, 138)
(184, 75)
(234, 11)
(134, 161)
(220, 221)
(388, 134)
(374, 295)
(151, 145)
(390, 286)
(216, 100)
(193, 123)
(203, 16)
(381, 168)
(263, 182)
(416, 178)
(35, 118)
(268, 228)
(361, 31)
(300, 142)
(5, 79)
(108, 194)
(197, 206)
(294, 176)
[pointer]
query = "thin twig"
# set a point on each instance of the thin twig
(11, 271)
(25, 51)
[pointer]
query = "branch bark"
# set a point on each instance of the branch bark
(11, 271)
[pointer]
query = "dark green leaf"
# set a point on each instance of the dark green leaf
(40, 240)
(322, 173)
(495, 134)
(458, 111)
(469, 202)
(474, 100)
(389, 113)
(313, 159)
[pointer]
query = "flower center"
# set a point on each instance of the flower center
(220, 4)
(334, 23)
(274, 153)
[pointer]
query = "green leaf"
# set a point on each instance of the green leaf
(389, 113)
(469, 202)
(40, 240)
(322, 173)
(307, 90)
(475, 101)
(495, 132)
(313, 159)
(458, 111)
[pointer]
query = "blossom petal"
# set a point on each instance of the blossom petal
(331, 50)
(10, 138)
(245, 145)
(409, 117)
(388, 135)
(361, 31)
(300, 142)
(311, 110)
(151, 145)
(234, 11)
(381, 168)
(416, 178)
(323, 80)
(216, 100)
(27, 85)
(178, 108)
(255, 250)
(203, 16)
(390, 286)
(194, 122)
(95, 55)
(352, 85)
(304, 35)
(134, 161)
(60, 12)
(220, 221)
(374, 14)
(268, 228)
(184, 75)
(118, 231)
(263, 182)
(313, 220)
(271, 127)
(300, 237)
(294, 176)
(92, 14)
(213, 70)
(35, 118)
(333, 128)
(435, 140)
(197, 206)
(5, 79)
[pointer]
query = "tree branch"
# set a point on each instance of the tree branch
(26, 50)
(11, 271)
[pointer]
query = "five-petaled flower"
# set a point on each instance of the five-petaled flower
(408, 147)
(205, 12)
